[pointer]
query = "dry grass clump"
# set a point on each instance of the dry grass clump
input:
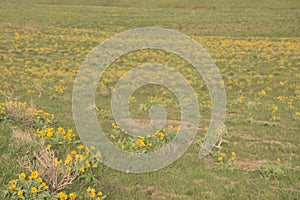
(56, 176)
(19, 112)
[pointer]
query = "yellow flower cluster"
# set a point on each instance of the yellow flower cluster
(59, 88)
(62, 196)
(79, 160)
(205, 104)
(41, 114)
(262, 92)
(19, 111)
(20, 188)
(161, 100)
(222, 156)
(159, 134)
(60, 133)
(143, 144)
(2, 108)
(233, 154)
(65, 196)
(94, 194)
(76, 161)
(16, 104)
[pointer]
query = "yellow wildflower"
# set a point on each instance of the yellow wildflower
(12, 187)
(87, 163)
(73, 152)
(92, 194)
(68, 159)
(87, 151)
(82, 169)
(72, 195)
(13, 181)
(45, 185)
(34, 174)
(62, 196)
(262, 92)
(34, 190)
(20, 193)
(57, 162)
(22, 175)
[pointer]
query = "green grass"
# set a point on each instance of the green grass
(208, 18)
(42, 44)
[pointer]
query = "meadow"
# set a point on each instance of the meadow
(255, 45)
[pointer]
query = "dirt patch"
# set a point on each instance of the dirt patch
(168, 123)
(272, 142)
(285, 189)
(172, 195)
(156, 193)
(234, 115)
(234, 183)
(264, 123)
(221, 178)
(4, 156)
(208, 160)
(192, 8)
(141, 188)
(245, 135)
(144, 189)
(198, 181)
(249, 165)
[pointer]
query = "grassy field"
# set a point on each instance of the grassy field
(256, 46)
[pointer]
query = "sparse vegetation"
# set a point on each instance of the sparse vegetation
(255, 46)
